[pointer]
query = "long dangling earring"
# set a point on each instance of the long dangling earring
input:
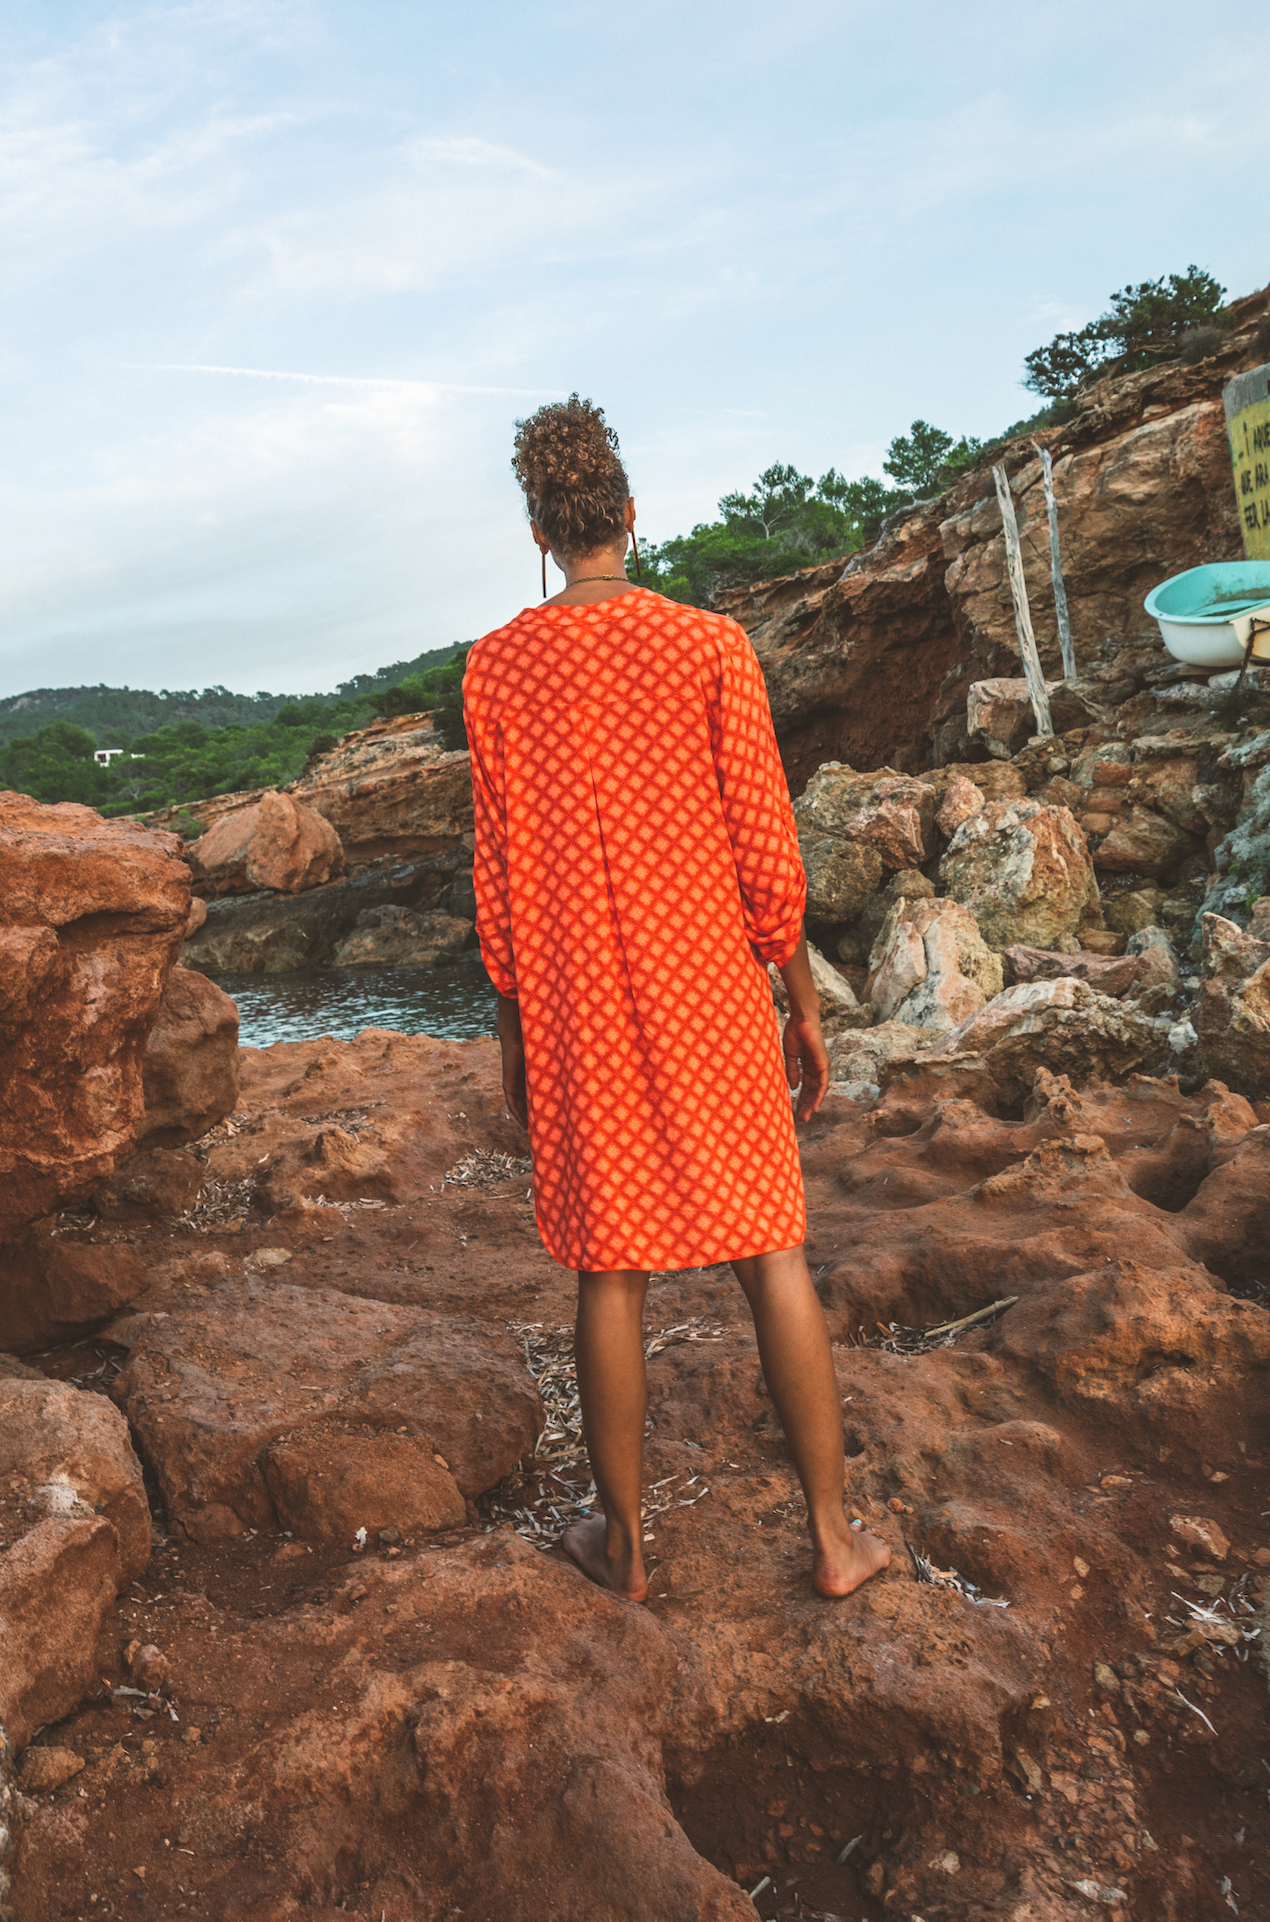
(635, 546)
(543, 552)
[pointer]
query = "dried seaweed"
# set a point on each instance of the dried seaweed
(219, 1205)
(895, 1339)
(925, 1571)
(486, 1168)
(101, 1379)
(352, 1120)
(228, 1130)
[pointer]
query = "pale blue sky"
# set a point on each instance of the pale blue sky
(751, 232)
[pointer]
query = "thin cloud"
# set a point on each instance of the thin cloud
(328, 380)
(469, 151)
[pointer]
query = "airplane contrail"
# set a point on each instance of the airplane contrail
(326, 380)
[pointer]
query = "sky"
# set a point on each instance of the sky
(279, 276)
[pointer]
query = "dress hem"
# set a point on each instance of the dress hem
(664, 1261)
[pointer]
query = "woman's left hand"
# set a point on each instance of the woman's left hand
(806, 1062)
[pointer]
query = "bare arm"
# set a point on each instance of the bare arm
(511, 1041)
(803, 1045)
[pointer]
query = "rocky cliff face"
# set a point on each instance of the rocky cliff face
(392, 806)
(870, 663)
(104, 1042)
(393, 913)
(390, 790)
(393, 789)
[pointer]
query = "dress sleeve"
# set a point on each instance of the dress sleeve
(493, 907)
(756, 806)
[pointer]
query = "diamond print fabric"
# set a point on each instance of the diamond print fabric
(635, 847)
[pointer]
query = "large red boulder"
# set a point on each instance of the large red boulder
(190, 1068)
(74, 1526)
(269, 1402)
(56, 1285)
(92, 915)
(275, 842)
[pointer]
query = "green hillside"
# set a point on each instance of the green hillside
(185, 746)
(114, 716)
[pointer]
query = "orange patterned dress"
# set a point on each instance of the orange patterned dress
(635, 851)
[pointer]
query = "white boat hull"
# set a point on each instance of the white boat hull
(1217, 643)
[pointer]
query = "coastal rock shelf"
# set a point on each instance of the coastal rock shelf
(446, 1717)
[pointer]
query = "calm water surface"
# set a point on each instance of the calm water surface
(455, 1000)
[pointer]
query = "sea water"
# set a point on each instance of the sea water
(454, 1000)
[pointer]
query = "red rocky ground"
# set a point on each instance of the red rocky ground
(453, 1723)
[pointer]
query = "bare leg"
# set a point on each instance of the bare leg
(613, 1387)
(793, 1346)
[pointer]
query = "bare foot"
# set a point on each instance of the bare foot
(846, 1562)
(586, 1543)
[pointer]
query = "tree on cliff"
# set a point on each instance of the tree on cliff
(784, 521)
(114, 716)
(185, 762)
(1145, 322)
(927, 460)
(265, 744)
(56, 765)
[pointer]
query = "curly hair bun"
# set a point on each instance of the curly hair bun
(568, 463)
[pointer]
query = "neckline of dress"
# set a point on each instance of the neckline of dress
(588, 607)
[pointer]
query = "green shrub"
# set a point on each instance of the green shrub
(785, 521)
(1057, 414)
(408, 697)
(1197, 343)
(438, 691)
(443, 687)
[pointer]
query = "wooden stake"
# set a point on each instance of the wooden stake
(1022, 614)
(1056, 569)
(968, 1321)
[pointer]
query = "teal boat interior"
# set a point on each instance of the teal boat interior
(1214, 593)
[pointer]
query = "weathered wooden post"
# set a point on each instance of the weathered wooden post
(1022, 615)
(1065, 647)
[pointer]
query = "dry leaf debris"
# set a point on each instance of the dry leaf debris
(487, 1168)
(552, 1486)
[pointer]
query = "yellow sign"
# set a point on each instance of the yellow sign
(1247, 403)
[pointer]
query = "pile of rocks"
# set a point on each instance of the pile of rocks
(1061, 905)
